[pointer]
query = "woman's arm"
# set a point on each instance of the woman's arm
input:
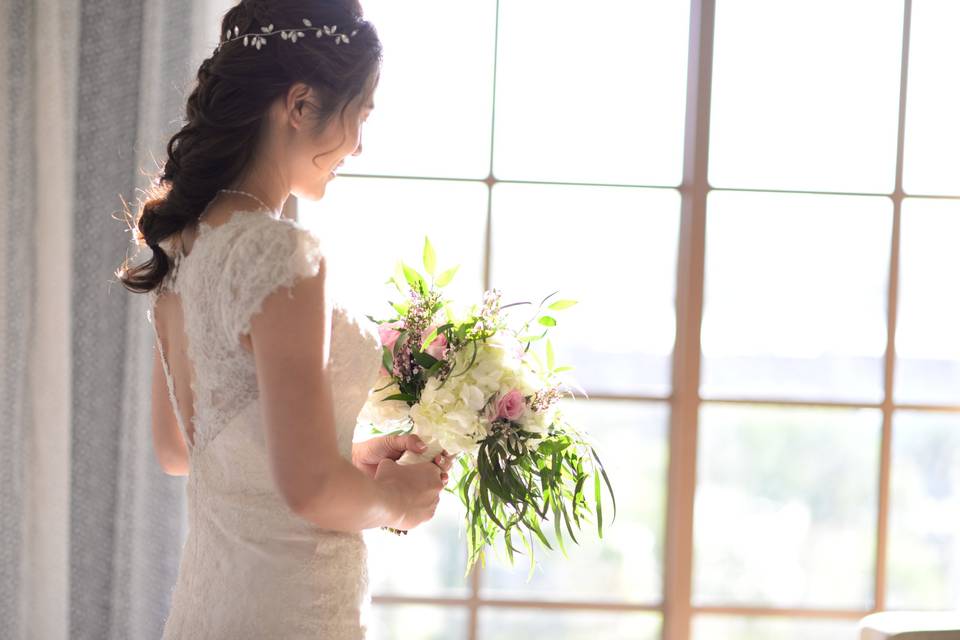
(168, 445)
(289, 334)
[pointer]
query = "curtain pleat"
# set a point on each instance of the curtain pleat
(91, 528)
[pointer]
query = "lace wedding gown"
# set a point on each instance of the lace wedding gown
(250, 567)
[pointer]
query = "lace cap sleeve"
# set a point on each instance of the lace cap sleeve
(265, 255)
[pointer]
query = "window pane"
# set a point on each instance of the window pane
(367, 224)
(735, 628)
(795, 296)
(924, 552)
(591, 96)
(806, 94)
(587, 242)
(626, 563)
(931, 161)
(786, 506)
(417, 622)
(502, 623)
(928, 322)
(433, 112)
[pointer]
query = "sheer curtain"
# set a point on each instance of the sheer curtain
(91, 528)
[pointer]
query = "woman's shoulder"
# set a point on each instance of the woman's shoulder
(261, 254)
(260, 238)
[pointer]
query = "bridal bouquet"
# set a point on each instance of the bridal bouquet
(466, 380)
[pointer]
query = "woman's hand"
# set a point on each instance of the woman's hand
(368, 453)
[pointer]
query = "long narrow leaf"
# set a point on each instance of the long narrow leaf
(429, 256)
(607, 480)
(485, 501)
(596, 498)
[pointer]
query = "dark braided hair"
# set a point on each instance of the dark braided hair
(225, 113)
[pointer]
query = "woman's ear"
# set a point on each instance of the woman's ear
(294, 100)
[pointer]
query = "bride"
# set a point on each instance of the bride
(260, 370)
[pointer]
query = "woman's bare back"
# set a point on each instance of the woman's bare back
(169, 319)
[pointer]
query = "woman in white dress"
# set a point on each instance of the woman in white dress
(260, 369)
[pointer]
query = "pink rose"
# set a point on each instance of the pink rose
(438, 347)
(388, 336)
(389, 333)
(510, 406)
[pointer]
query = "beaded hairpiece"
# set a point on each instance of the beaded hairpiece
(259, 39)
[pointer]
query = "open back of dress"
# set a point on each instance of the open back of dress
(177, 366)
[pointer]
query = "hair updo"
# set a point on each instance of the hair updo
(226, 111)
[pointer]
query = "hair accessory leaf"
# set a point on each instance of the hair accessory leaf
(292, 34)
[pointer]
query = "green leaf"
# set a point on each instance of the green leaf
(425, 360)
(607, 480)
(549, 355)
(413, 277)
(398, 276)
(556, 524)
(547, 297)
(465, 486)
(485, 500)
(489, 473)
(577, 492)
(596, 499)
(531, 338)
(563, 368)
(402, 396)
(397, 284)
(444, 278)
(561, 304)
(474, 514)
(387, 359)
(536, 359)
(529, 548)
(429, 256)
(430, 337)
(566, 519)
(547, 321)
(401, 307)
(533, 524)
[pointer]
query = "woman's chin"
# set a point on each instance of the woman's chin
(315, 193)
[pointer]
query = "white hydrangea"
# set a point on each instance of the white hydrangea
(448, 415)
(538, 421)
(451, 415)
(384, 414)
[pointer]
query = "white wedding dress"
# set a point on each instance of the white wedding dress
(250, 567)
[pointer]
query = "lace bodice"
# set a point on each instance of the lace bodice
(250, 567)
(222, 283)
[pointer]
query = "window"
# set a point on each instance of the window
(761, 229)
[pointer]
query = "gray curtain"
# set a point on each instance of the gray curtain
(90, 527)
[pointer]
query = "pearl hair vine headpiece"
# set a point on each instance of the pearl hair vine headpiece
(260, 39)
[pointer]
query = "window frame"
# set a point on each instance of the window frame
(676, 606)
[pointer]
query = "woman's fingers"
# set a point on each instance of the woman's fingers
(443, 461)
